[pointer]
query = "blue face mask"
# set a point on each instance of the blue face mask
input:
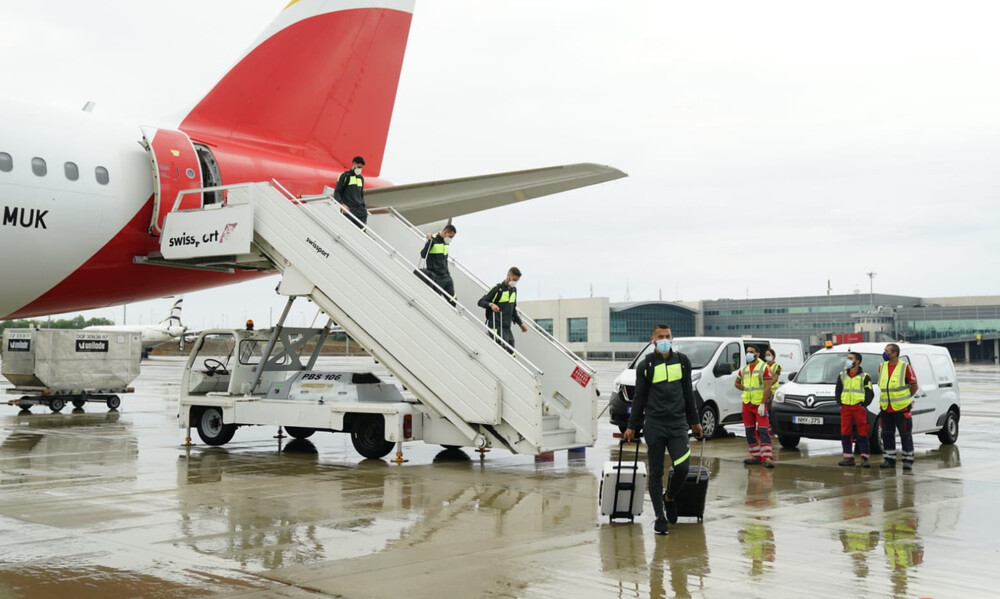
(886, 356)
(751, 357)
(663, 345)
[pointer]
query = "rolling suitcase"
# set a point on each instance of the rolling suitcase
(623, 487)
(691, 502)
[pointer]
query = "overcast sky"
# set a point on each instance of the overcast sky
(770, 146)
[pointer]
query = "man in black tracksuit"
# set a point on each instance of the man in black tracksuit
(350, 191)
(501, 307)
(436, 253)
(664, 408)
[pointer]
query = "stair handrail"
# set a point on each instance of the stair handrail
(394, 254)
(545, 334)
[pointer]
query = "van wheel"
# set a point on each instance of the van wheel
(368, 436)
(789, 441)
(211, 429)
(709, 422)
(875, 438)
(949, 432)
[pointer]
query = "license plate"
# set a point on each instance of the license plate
(807, 419)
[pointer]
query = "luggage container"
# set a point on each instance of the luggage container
(54, 367)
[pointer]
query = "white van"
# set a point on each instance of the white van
(806, 406)
(715, 363)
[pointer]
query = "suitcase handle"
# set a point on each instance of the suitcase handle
(618, 475)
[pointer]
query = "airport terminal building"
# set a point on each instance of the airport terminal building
(598, 329)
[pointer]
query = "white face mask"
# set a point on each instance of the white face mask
(512, 283)
(357, 170)
(446, 239)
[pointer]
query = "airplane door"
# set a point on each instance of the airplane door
(175, 168)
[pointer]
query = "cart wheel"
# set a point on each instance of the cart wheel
(78, 403)
(299, 432)
(57, 403)
(113, 402)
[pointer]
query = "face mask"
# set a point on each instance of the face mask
(850, 363)
(663, 345)
(512, 283)
(447, 239)
(357, 171)
(886, 356)
(769, 358)
(751, 357)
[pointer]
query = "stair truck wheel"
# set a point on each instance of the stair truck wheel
(211, 429)
(56, 404)
(113, 402)
(368, 436)
(299, 432)
(79, 403)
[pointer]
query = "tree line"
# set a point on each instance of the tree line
(61, 323)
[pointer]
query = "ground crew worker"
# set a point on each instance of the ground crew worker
(897, 383)
(854, 392)
(755, 382)
(501, 307)
(249, 324)
(436, 253)
(772, 364)
(664, 407)
(350, 191)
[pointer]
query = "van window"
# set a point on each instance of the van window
(732, 354)
(6, 162)
(642, 354)
(943, 368)
(922, 366)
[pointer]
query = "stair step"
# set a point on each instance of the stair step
(550, 422)
(562, 438)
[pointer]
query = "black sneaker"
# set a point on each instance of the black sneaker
(907, 466)
(769, 463)
(752, 461)
(660, 526)
(671, 508)
(865, 463)
(887, 464)
(846, 462)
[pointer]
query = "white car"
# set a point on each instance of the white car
(715, 363)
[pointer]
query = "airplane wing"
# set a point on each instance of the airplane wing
(440, 200)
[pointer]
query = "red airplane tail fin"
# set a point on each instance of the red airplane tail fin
(319, 83)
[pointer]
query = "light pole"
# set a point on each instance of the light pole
(871, 287)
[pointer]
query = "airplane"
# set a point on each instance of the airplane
(168, 329)
(83, 198)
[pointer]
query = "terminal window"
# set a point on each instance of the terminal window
(577, 328)
(545, 323)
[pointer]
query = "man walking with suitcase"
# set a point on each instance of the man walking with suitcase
(664, 408)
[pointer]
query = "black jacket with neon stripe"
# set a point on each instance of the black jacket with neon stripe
(670, 400)
(505, 297)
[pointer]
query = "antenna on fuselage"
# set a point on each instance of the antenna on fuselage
(89, 106)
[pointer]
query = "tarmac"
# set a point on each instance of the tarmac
(110, 504)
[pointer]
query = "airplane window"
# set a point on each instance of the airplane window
(72, 171)
(102, 175)
(38, 166)
(6, 162)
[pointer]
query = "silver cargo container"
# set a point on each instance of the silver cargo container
(70, 358)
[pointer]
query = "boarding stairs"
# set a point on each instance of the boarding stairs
(541, 398)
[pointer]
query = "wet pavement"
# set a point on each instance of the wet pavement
(110, 504)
